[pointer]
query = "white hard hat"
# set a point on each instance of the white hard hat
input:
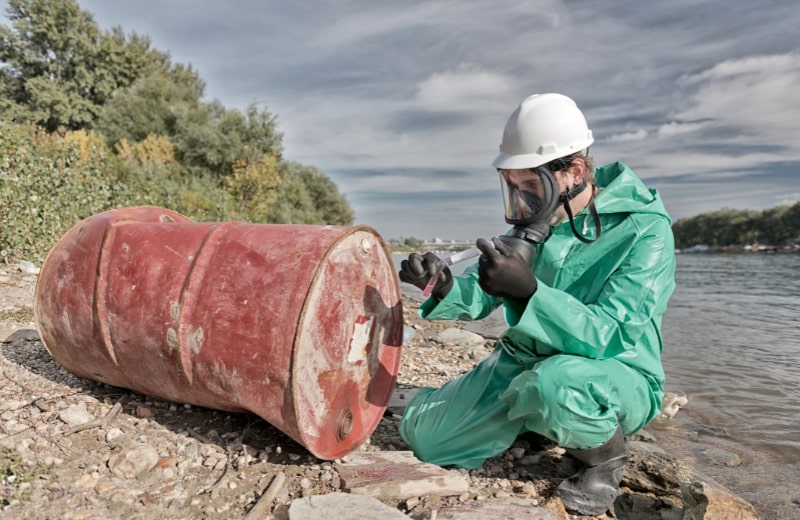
(544, 127)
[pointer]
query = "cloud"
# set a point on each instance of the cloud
(789, 198)
(737, 115)
(465, 86)
(675, 128)
(754, 98)
(452, 120)
(636, 135)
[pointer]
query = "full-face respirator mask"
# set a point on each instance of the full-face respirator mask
(531, 197)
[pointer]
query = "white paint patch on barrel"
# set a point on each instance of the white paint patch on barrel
(360, 341)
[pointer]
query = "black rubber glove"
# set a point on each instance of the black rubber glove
(503, 272)
(418, 269)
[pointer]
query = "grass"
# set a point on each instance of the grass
(13, 473)
(20, 315)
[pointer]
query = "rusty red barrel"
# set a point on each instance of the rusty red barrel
(301, 325)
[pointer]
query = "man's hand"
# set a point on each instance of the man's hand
(418, 269)
(503, 272)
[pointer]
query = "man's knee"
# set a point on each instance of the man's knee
(565, 398)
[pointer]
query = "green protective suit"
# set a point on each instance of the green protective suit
(583, 357)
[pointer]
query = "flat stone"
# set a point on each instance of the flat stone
(477, 353)
(342, 505)
(460, 337)
(722, 457)
(400, 399)
(487, 510)
(75, 415)
(19, 337)
(394, 476)
(134, 461)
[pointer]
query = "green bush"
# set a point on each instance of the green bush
(42, 192)
(48, 183)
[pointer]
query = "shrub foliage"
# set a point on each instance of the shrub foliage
(92, 120)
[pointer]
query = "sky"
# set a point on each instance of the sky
(403, 104)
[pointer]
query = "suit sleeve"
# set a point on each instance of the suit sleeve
(626, 313)
(465, 301)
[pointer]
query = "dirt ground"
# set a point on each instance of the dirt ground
(74, 449)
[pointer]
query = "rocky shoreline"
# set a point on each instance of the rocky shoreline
(76, 449)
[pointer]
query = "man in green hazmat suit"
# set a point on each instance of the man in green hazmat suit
(584, 277)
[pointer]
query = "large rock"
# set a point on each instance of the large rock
(342, 506)
(653, 472)
(394, 476)
(705, 501)
(656, 486)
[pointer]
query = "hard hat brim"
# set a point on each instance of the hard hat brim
(506, 161)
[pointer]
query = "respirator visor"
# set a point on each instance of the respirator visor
(529, 196)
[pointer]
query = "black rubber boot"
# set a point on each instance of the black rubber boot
(594, 488)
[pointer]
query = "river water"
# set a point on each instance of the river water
(732, 345)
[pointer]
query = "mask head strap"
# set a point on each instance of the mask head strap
(566, 197)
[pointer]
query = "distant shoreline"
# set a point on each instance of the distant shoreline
(704, 249)
(694, 250)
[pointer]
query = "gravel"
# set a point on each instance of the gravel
(77, 449)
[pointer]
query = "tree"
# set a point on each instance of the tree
(293, 204)
(60, 68)
(792, 223)
(413, 243)
(128, 112)
(63, 73)
(212, 138)
(331, 206)
(307, 196)
(727, 227)
(120, 61)
(253, 187)
(152, 105)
